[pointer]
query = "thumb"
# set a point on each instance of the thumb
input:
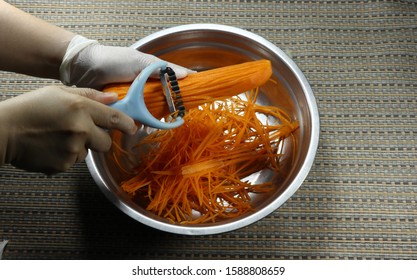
(99, 96)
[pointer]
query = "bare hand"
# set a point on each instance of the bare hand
(50, 129)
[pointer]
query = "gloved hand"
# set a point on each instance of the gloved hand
(50, 129)
(88, 64)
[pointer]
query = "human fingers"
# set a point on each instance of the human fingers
(99, 96)
(102, 115)
(98, 140)
(110, 118)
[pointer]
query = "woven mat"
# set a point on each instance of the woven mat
(359, 200)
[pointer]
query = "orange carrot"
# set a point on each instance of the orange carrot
(196, 173)
(203, 87)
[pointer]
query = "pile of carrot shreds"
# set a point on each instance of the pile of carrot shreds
(197, 173)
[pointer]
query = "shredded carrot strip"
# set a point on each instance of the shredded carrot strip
(195, 173)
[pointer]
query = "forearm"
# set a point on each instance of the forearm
(3, 134)
(29, 45)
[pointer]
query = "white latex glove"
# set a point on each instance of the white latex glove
(88, 64)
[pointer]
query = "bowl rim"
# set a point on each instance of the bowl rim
(276, 203)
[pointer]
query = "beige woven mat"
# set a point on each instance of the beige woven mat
(359, 200)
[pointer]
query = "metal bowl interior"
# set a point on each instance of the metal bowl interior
(206, 46)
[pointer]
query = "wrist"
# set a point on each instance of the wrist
(75, 46)
(54, 56)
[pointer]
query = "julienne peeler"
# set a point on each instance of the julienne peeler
(133, 104)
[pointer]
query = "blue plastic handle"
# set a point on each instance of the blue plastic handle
(134, 103)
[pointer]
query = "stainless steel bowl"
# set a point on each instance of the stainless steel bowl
(205, 46)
